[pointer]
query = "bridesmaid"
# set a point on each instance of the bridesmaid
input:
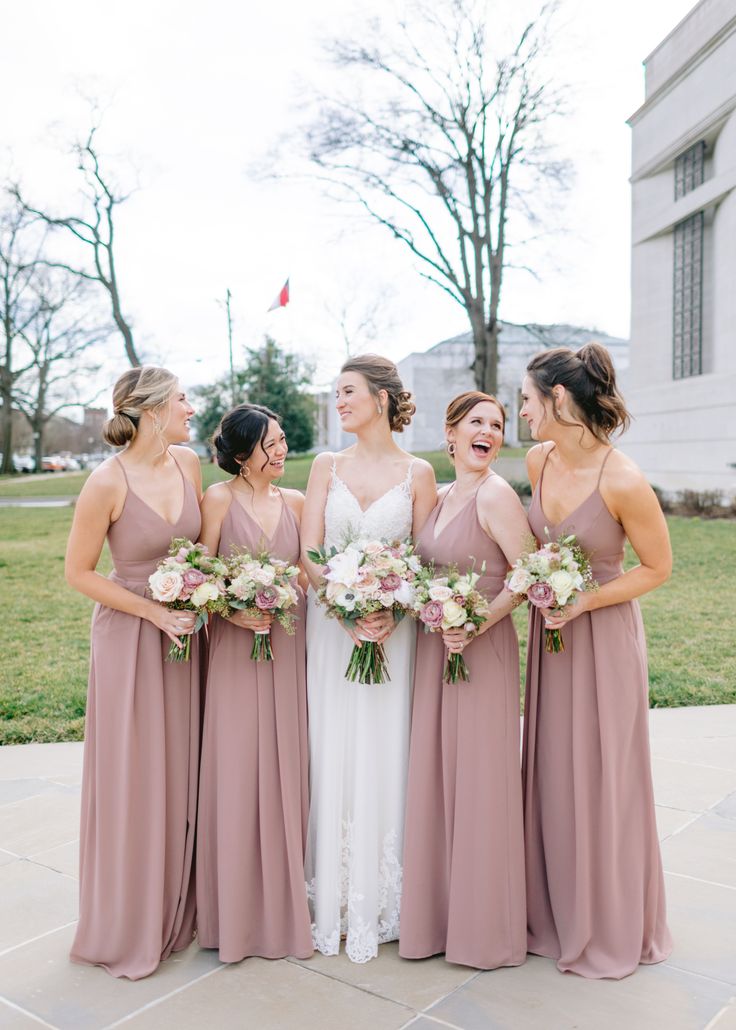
(464, 851)
(595, 890)
(139, 785)
(253, 803)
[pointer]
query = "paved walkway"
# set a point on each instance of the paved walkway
(694, 757)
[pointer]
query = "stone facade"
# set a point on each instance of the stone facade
(681, 382)
(437, 375)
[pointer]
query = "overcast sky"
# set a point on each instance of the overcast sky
(196, 93)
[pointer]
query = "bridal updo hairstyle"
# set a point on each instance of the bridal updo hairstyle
(382, 374)
(589, 377)
(137, 390)
(239, 433)
(459, 406)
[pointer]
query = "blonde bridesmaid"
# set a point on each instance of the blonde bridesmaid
(464, 852)
(595, 890)
(139, 784)
(253, 799)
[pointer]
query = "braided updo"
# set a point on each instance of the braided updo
(589, 377)
(137, 390)
(382, 374)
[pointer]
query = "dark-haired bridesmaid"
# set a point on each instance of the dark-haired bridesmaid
(464, 839)
(253, 805)
(595, 890)
(141, 748)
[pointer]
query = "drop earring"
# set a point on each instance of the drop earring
(244, 471)
(379, 409)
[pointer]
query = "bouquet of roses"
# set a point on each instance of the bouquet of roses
(260, 583)
(548, 576)
(367, 576)
(191, 580)
(449, 602)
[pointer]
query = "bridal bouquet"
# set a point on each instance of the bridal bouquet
(367, 576)
(260, 583)
(548, 577)
(449, 602)
(191, 580)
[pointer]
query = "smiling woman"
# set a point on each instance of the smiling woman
(136, 901)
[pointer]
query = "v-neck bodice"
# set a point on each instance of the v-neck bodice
(141, 537)
(240, 532)
(388, 517)
(596, 530)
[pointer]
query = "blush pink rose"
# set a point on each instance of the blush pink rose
(391, 582)
(267, 599)
(541, 595)
(193, 578)
(432, 614)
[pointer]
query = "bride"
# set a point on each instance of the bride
(359, 733)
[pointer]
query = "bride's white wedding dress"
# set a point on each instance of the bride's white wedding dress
(359, 752)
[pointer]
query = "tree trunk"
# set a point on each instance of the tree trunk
(485, 346)
(6, 431)
(38, 445)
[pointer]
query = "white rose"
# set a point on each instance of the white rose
(519, 581)
(440, 593)
(166, 585)
(562, 583)
(264, 575)
(343, 568)
(405, 595)
(463, 587)
(204, 592)
(453, 615)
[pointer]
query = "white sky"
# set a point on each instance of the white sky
(199, 92)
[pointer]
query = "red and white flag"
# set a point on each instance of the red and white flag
(282, 297)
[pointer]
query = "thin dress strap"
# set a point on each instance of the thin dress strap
(412, 463)
(544, 466)
(125, 474)
(603, 465)
(181, 472)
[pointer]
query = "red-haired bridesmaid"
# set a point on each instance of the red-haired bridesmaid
(595, 890)
(139, 785)
(463, 846)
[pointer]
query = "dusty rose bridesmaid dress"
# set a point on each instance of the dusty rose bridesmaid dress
(253, 805)
(463, 847)
(595, 890)
(139, 784)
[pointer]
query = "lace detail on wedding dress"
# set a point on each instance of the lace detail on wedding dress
(361, 941)
(387, 518)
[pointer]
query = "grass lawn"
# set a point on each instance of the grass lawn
(692, 646)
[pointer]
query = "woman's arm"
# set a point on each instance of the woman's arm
(215, 505)
(98, 505)
(312, 527)
(295, 500)
(424, 492)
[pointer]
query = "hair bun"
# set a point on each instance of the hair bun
(403, 413)
(598, 365)
(119, 430)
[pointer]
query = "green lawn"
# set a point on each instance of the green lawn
(46, 625)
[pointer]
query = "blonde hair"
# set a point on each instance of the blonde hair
(137, 390)
(381, 374)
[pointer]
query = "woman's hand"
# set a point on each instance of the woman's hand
(456, 640)
(579, 602)
(175, 624)
(258, 623)
(378, 626)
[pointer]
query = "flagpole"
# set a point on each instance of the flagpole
(228, 297)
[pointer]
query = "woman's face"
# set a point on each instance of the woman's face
(175, 416)
(477, 437)
(269, 456)
(536, 409)
(356, 406)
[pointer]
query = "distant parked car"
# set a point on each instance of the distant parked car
(52, 463)
(24, 463)
(70, 464)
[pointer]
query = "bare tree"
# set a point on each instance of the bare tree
(19, 256)
(360, 317)
(61, 341)
(444, 145)
(95, 229)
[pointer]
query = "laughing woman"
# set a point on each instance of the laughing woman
(463, 850)
(139, 784)
(253, 798)
(595, 890)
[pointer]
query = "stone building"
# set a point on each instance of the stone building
(437, 375)
(681, 383)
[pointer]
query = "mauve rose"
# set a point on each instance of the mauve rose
(541, 595)
(192, 578)
(432, 614)
(267, 599)
(391, 582)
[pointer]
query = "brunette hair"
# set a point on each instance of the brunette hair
(459, 406)
(382, 374)
(589, 377)
(137, 390)
(239, 433)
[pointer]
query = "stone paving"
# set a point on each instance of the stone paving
(694, 759)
